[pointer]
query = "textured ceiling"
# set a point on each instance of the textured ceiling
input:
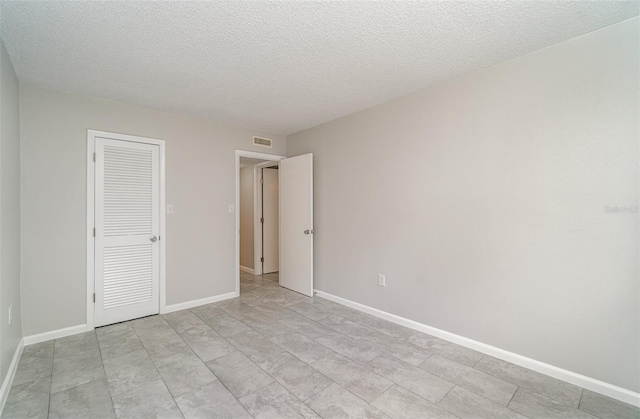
(278, 66)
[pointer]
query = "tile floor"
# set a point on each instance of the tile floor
(273, 353)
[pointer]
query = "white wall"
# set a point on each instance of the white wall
(10, 335)
(246, 216)
(200, 173)
(483, 201)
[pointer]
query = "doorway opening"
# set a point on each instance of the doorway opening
(257, 218)
(268, 227)
(295, 211)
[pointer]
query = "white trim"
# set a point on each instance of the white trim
(251, 155)
(91, 180)
(257, 214)
(247, 270)
(11, 373)
(91, 141)
(196, 303)
(615, 392)
(55, 334)
(257, 227)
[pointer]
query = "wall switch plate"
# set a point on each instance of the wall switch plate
(169, 208)
(382, 280)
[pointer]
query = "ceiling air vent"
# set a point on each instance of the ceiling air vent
(263, 142)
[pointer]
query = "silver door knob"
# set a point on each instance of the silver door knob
(153, 239)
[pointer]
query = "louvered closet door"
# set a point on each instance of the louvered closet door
(127, 226)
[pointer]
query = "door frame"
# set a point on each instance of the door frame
(257, 204)
(91, 281)
(252, 155)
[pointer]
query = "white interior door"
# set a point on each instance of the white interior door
(127, 219)
(270, 224)
(296, 223)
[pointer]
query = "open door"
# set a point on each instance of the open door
(296, 224)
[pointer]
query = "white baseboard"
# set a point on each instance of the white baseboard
(200, 302)
(54, 334)
(615, 392)
(81, 328)
(11, 373)
(247, 270)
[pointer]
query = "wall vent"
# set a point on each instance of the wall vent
(263, 142)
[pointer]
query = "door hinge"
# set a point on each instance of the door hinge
(94, 231)
(262, 260)
(261, 180)
(94, 297)
(94, 157)
(262, 220)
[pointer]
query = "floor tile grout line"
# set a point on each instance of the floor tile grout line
(191, 347)
(436, 404)
(507, 407)
(229, 390)
(532, 390)
(214, 374)
(363, 400)
(222, 382)
(469, 389)
(513, 395)
(222, 337)
(275, 380)
(55, 341)
(51, 378)
(476, 364)
(297, 357)
(359, 364)
(580, 401)
(385, 392)
(580, 404)
(434, 375)
(105, 374)
(311, 408)
(156, 367)
(359, 324)
(456, 385)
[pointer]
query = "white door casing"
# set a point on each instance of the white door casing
(127, 229)
(256, 209)
(296, 223)
(270, 228)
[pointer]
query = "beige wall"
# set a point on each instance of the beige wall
(483, 200)
(10, 334)
(200, 183)
(246, 217)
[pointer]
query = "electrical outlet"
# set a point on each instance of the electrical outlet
(382, 280)
(9, 317)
